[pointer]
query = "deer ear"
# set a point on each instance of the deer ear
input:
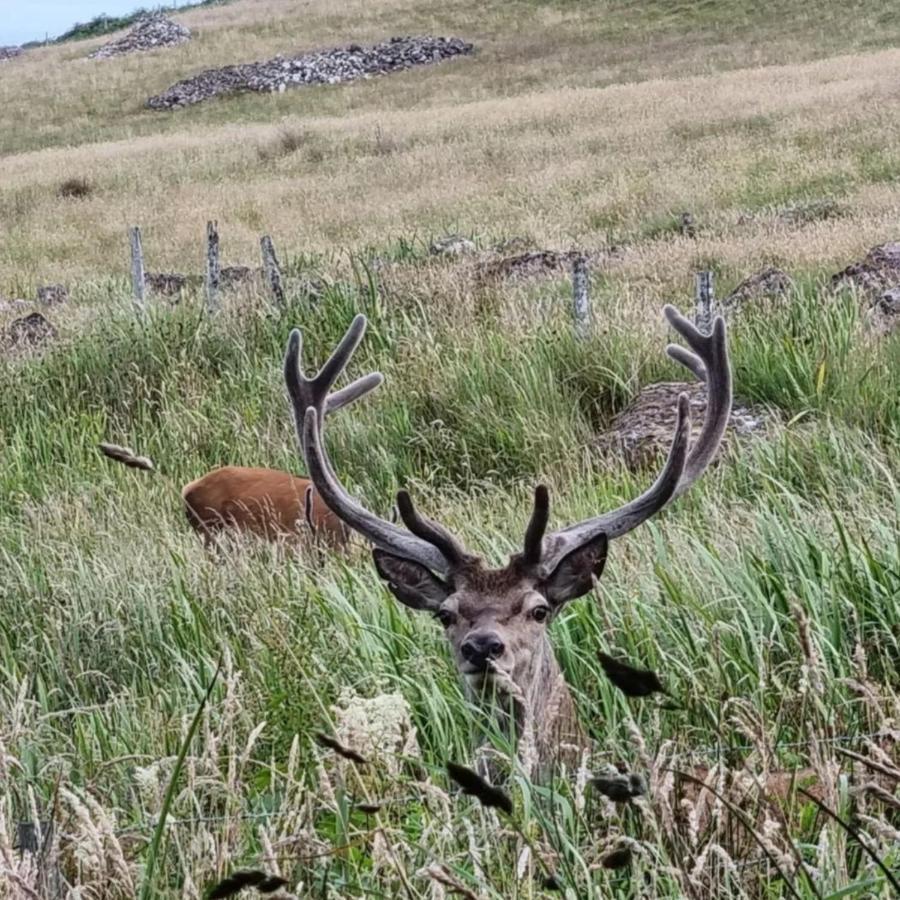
(411, 583)
(575, 574)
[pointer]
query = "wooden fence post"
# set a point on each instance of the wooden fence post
(138, 288)
(581, 300)
(272, 269)
(704, 300)
(212, 268)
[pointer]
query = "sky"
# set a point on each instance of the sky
(33, 20)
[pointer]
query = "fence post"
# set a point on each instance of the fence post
(704, 300)
(138, 288)
(581, 300)
(212, 268)
(273, 270)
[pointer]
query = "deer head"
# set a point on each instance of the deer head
(497, 619)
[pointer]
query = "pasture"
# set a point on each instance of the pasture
(767, 598)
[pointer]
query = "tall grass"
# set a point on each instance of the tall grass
(768, 599)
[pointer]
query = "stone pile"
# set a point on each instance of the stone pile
(767, 283)
(642, 433)
(29, 332)
(9, 53)
(877, 277)
(149, 33)
(335, 66)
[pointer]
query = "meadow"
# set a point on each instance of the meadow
(768, 598)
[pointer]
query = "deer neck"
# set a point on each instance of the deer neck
(534, 706)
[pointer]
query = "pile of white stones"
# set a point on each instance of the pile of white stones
(148, 33)
(335, 66)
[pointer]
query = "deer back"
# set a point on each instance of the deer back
(266, 502)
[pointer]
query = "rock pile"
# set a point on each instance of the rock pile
(642, 433)
(149, 33)
(334, 66)
(9, 53)
(769, 282)
(877, 276)
(31, 331)
(533, 264)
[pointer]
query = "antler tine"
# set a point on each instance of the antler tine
(684, 465)
(712, 353)
(429, 530)
(436, 548)
(383, 534)
(534, 534)
(306, 392)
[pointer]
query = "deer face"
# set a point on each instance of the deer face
(496, 620)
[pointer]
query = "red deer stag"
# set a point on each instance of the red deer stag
(496, 620)
(266, 502)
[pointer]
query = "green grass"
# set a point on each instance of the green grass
(110, 607)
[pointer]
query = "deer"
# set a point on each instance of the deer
(269, 503)
(497, 620)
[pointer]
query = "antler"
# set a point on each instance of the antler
(426, 542)
(709, 363)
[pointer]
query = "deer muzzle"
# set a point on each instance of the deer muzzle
(481, 647)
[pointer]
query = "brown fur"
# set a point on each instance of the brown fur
(264, 502)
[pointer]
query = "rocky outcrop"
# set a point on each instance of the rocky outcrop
(148, 33)
(335, 66)
(10, 53)
(642, 433)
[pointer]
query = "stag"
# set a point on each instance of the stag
(497, 619)
(268, 503)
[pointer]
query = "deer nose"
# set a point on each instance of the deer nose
(480, 646)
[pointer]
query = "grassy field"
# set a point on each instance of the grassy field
(768, 599)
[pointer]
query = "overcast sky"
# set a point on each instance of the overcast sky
(33, 20)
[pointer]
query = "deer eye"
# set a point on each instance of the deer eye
(445, 617)
(540, 613)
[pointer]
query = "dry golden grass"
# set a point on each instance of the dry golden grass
(527, 138)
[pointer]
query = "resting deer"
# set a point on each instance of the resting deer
(266, 502)
(497, 620)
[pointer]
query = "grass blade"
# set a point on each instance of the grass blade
(153, 853)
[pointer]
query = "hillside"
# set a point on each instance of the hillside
(767, 599)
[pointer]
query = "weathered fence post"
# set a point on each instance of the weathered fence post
(212, 268)
(272, 269)
(138, 288)
(704, 300)
(581, 300)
